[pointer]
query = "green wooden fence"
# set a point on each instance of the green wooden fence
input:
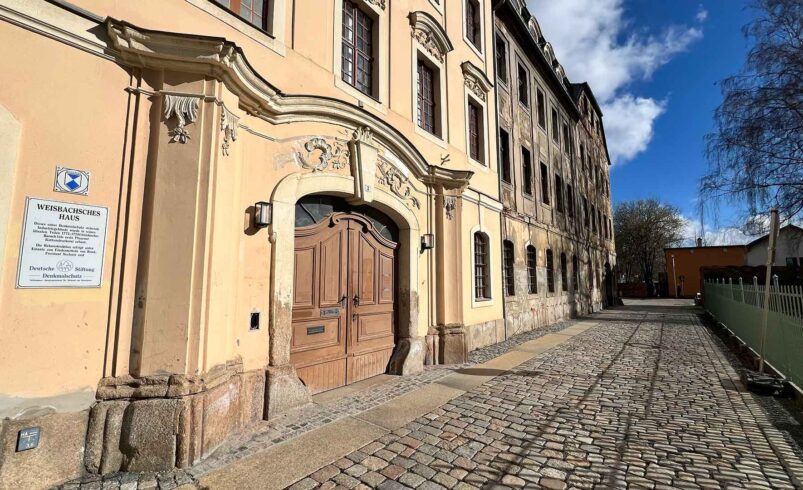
(739, 306)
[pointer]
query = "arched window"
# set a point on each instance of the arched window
(564, 273)
(550, 271)
(532, 273)
(482, 286)
(507, 268)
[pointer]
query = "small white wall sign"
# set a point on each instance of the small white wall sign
(62, 245)
(71, 181)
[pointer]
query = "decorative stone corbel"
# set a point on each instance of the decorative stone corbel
(228, 124)
(449, 205)
(476, 80)
(430, 35)
(363, 163)
(185, 109)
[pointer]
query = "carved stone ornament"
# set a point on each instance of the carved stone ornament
(185, 109)
(475, 80)
(364, 154)
(378, 3)
(398, 183)
(228, 124)
(334, 153)
(430, 35)
(449, 204)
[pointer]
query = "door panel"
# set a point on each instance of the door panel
(343, 310)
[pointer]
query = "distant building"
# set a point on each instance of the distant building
(788, 249)
(683, 265)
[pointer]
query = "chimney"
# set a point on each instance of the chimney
(699, 242)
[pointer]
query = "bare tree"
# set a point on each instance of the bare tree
(756, 151)
(643, 228)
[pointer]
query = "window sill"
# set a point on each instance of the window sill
(365, 99)
(473, 47)
(431, 137)
(234, 21)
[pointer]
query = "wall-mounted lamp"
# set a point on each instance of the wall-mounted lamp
(263, 214)
(427, 241)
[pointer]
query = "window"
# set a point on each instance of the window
(524, 87)
(576, 272)
(555, 128)
(475, 130)
(550, 272)
(252, 11)
(564, 273)
(507, 269)
(527, 171)
(582, 154)
(426, 98)
(566, 138)
(558, 193)
(570, 200)
(473, 23)
(604, 224)
(593, 218)
(501, 60)
(544, 184)
(504, 154)
(532, 271)
(541, 108)
(590, 277)
(585, 210)
(791, 262)
(482, 288)
(357, 55)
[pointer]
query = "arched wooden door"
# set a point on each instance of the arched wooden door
(343, 302)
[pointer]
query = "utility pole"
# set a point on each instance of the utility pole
(770, 260)
(674, 276)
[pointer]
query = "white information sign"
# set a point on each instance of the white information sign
(62, 245)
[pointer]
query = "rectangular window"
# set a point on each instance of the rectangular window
(481, 285)
(527, 171)
(585, 210)
(570, 200)
(507, 270)
(555, 128)
(426, 98)
(532, 271)
(576, 273)
(357, 51)
(564, 273)
(501, 60)
(544, 184)
(524, 87)
(475, 126)
(566, 137)
(550, 271)
(473, 23)
(504, 156)
(541, 108)
(558, 193)
(593, 218)
(252, 11)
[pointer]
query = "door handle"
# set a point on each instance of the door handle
(356, 300)
(343, 300)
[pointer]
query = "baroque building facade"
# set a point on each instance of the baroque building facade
(215, 209)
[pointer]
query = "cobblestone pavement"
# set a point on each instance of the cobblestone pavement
(268, 434)
(646, 399)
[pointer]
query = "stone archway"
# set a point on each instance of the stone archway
(283, 388)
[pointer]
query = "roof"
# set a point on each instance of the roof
(577, 91)
(789, 226)
(666, 249)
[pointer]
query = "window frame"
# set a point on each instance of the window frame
(485, 265)
(564, 272)
(423, 66)
(508, 268)
(550, 270)
(540, 101)
(478, 131)
(559, 193)
(477, 43)
(575, 272)
(505, 163)
(502, 74)
(266, 10)
(522, 74)
(531, 256)
(358, 15)
(527, 172)
(545, 192)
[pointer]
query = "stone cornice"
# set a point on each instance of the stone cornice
(218, 58)
(476, 79)
(430, 34)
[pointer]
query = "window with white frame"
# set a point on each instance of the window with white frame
(473, 23)
(357, 55)
(482, 284)
(476, 131)
(428, 85)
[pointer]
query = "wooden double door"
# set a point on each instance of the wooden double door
(343, 302)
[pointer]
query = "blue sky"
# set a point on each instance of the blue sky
(654, 65)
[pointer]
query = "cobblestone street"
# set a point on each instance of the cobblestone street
(642, 396)
(645, 399)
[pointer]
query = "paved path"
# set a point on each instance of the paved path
(645, 399)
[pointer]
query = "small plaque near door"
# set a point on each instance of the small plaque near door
(316, 330)
(330, 312)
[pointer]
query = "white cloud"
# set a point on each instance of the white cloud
(595, 42)
(702, 14)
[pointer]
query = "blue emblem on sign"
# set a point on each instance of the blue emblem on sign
(72, 181)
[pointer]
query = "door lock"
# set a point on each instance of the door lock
(356, 300)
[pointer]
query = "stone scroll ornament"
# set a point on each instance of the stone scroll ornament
(228, 124)
(399, 184)
(185, 110)
(334, 153)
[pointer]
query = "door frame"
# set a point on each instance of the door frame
(410, 349)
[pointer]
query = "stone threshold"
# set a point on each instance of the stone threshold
(327, 429)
